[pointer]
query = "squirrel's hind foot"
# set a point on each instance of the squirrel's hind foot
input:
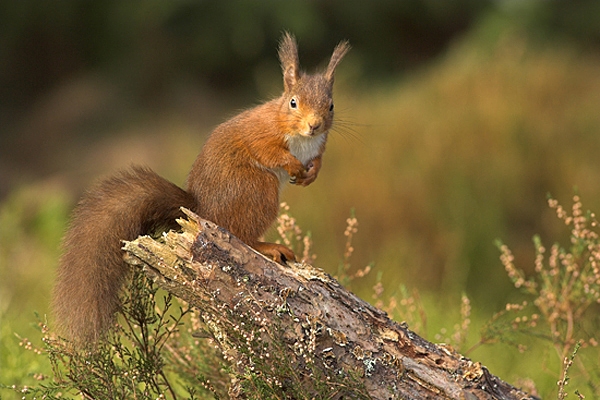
(276, 252)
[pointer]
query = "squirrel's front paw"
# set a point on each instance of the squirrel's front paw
(310, 175)
(306, 179)
(298, 179)
(297, 173)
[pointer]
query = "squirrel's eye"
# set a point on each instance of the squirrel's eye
(331, 107)
(293, 103)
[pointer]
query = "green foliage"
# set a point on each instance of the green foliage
(221, 44)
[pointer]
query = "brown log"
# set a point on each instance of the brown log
(297, 320)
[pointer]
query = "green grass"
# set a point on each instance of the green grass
(32, 220)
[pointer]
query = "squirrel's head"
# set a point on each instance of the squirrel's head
(308, 99)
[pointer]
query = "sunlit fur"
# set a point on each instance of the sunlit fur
(234, 182)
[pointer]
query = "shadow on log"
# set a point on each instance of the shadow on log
(296, 329)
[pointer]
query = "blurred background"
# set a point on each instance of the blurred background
(455, 120)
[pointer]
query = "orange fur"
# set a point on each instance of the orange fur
(234, 182)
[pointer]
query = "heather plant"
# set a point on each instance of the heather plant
(560, 297)
(344, 275)
(291, 235)
(134, 361)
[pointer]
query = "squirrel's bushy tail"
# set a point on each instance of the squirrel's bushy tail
(91, 271)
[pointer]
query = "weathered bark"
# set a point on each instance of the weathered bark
(310, 323)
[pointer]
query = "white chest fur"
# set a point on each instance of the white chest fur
(304, 148)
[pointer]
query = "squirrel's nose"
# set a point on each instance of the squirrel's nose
(314, 126)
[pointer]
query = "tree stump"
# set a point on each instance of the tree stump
(298, 329)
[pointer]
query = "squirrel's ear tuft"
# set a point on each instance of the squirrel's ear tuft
(338, 53)
(290, 64)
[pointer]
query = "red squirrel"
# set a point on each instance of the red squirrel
(234, 182)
